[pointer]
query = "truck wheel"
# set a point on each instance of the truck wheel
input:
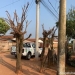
(28, 56)
(15, 56)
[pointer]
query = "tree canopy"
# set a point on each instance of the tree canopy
(70, 23)
(4, 27)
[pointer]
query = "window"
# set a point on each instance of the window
(33, 45)
(26, 45)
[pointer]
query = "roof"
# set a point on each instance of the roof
(34, 40)
(55, 40)
(31, 39)
(6, 37)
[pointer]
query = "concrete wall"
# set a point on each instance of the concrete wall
(5, 45)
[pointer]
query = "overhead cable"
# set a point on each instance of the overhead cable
(52, 6)
(47, 7)
(9, 4)
(30, 6)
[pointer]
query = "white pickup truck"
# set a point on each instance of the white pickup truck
(28, 50)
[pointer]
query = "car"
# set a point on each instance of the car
(28, 50)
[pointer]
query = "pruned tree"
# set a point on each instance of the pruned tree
(19, 33)
(45, 35)
(51, 53)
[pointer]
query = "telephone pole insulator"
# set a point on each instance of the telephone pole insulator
(36, 1)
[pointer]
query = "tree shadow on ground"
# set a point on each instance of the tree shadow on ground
(13, 68)
(36, 67)
(13, 57)
(30, 67)
(10, 56)
(8, 65)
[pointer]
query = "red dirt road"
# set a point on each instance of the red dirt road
(30, 67)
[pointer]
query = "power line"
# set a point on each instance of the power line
(9, 4)
(52, 6)
(46, 6)
(31, 4)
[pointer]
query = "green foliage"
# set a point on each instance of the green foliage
(4, 27)
(71, 63)
(70, 23)
(71, 14)
(68, 56)
(70, 44)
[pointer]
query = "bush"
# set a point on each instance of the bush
(71, 63)
(68, 55)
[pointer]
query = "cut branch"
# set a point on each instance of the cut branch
(28, 36)
(27, 25)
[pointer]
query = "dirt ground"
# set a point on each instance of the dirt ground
(30, 67)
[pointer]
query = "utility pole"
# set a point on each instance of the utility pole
(37, 26)
(62, 38)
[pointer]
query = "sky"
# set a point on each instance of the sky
(47, 17)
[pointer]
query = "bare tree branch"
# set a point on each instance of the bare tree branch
(51, 30)
(7, 21)
(8, 15)
(27, 6)
(28, 36)
(43, 27)
(11, 22)
(24, 10)
(27, 24)
(16, 17)
(18, 29)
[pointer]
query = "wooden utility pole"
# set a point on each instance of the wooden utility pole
(37, 26)
(62, 38)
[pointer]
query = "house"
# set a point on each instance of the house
(55, 42)
(5, 42)
(40, 42)
(55, 45)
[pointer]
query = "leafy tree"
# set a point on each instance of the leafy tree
(70, 23)
(4, 27)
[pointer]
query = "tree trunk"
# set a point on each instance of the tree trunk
(42, 55)
(19, 46)
(62, 38)
(18, 64)
(49, 56)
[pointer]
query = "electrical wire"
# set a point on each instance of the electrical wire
(52, 6)
(47, 7)
(30, 6)
(9, 4)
